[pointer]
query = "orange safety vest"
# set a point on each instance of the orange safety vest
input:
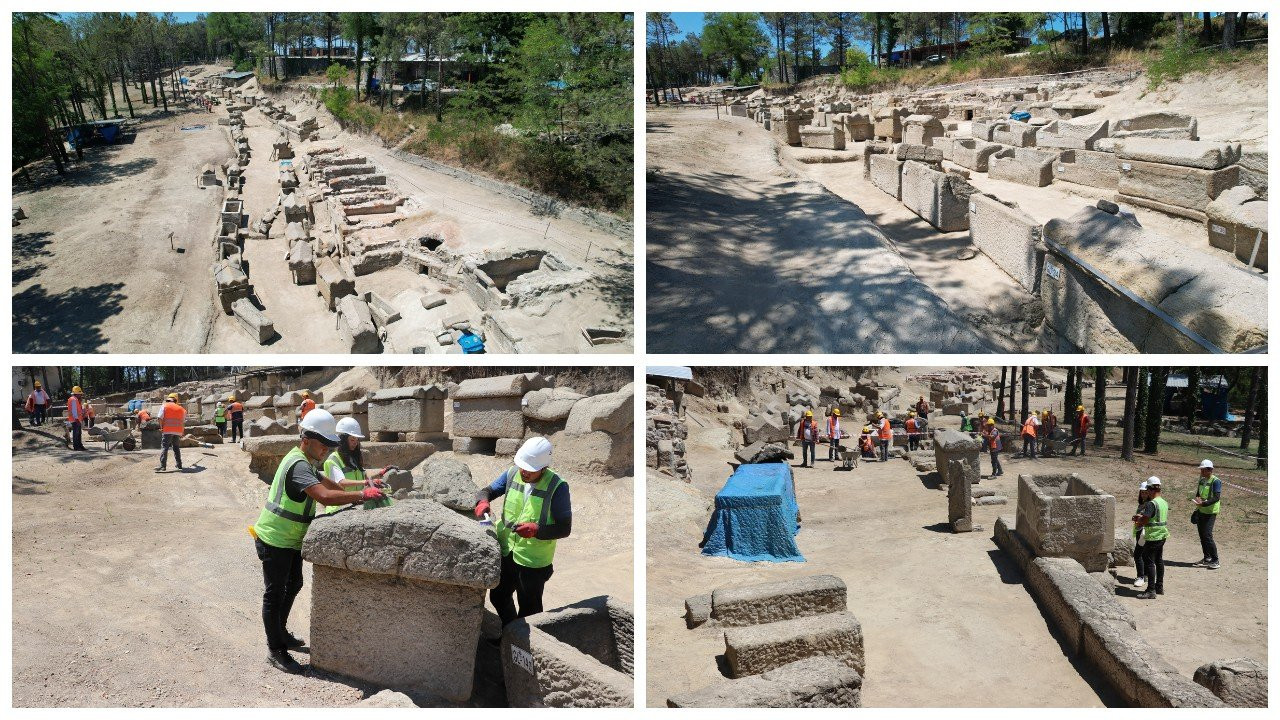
(864, 442)
(234, 408)
(172, 418)
(143, 416)
(1029, 428)
(88, 410)
(75, 409)
(886, 432)
(307, 406)
(831, 427)
(911, 426)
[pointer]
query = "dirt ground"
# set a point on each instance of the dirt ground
(73, 293)
(150, 597)
(945, 617)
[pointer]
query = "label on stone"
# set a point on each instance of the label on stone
(1053, 271)
(522, 658)
(457, 405)
(1060, 168)
(1218, 229)
(1126, 167)
(973, 207)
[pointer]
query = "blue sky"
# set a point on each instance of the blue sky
(182, 16)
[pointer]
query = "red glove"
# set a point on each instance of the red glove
(372, 493)
(527, 530)
(482, 507)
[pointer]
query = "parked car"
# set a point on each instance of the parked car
(416, 86)
(935, 59)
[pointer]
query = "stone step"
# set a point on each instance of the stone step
(761, 648)
(772, 602)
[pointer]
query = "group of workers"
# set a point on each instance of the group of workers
(874, 443)
(327, 467)
(80, 414)
(1151, 529)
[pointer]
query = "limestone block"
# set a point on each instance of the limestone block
(611, 413)
(921, 130)
(1253, 168)
(1026, 166)
(333, 283)
(777, 601)
(252, 320)
(1240, 682)
(955, 445)
(815, 682)
(1071, 135)
(418, 408)
(506, 447)
(1085, 167)
(491, 407)
(939, 198)
(1122, 550)
(387, 699)
(266, 426)
(550, 404)
(1202, 154)
(1008, 236)
(827, 138)
(580, 655)
(959, 499)
(886, 174)
(302, 263)
(764, 429)
(760, 648)
(697, 610)
(983, 129)
(1237, 221)
(404, 455)
(1172, 186)
(1072, 599)
(420, 558)
(1014, 133)
(973, 153)
(1065, 516)
(1136, 670)
(446, 481)
(1157, 125)
(787, 131)
(920, 153)
(355, 326)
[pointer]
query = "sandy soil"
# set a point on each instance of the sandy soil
(151, 596)
(946, 619)
(743, 256)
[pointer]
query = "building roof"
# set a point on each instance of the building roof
(236, 75)
(669, 371)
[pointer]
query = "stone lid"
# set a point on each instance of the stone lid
(954, 440)
(258, 401)
(414, 539)
(501, 386)
(415, 392)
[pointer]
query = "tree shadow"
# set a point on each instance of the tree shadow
(28, 486)
(66, 322)
(102, 172)
(28, 248)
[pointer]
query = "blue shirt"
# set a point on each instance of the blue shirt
(561, 509)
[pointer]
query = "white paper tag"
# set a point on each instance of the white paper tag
(523, 659)
(1060, 168)
(1126, 167)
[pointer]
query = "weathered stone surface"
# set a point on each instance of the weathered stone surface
(1203, 154)
(1071, 598)
(550, 404)
(1025, 166)
(959, 501)
(886, 174)
(580, 655)
(955, 445)
(973, 153)
(764, 429)
(816, 682)
(448, 482)
(387, 699)
(355, 326)
(1136, 670)
(760, 648)
(1008, 236)
(1240, 682)
(919, 153)
(1122, 550)
(1172, 186)
(1065, 516)
(697, 611)
(333, 283)
(1237, 222)
(1071, 135)
(1014, 133)
(491, 407)
(826, 138)
(776, 601)
(922, 130)
(940, 199)
(611, 413)
(410, 409)
(1083, 167)
(1156, 125)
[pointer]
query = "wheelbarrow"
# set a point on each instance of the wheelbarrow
(111, 438)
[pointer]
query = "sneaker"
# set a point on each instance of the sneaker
(284, 662)
(1200, 563)
(1213, 565)
(292, 642)
(160, 469)
(1139, 581)
(1148, 595)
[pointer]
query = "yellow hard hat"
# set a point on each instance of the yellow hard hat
(1079, 408)
(866, 428)
(76, 390)
(231, 398)
(836, 412)
(172, 396)
(306, 393)
(808, 413)
(911, 413)
(37, 383)
(879, 414)
(991, 421)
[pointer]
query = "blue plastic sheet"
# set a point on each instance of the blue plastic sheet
(756, 517)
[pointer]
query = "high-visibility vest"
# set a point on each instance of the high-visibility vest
(1029, 427)
(307, 406)
(808, 424)
(75, 409)
(172, 418)
(994, 441)
(833, 428)
(1203, 491)
(88, 410)
(1082, 424)
(283, 522)
(886, 432)
(1158, 525)
(354, 474)
(864, 442)
(911, 425)
(143, 416)
(220, 414)
(527, 503)
(235, 408)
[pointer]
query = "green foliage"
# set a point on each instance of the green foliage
(735, 39)
(337, 74)
(1179, 58)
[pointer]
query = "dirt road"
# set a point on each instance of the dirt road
(746, 257)
(946, 619)
(135, 589)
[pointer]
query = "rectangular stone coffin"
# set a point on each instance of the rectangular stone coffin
(886, 174)
(1087, 167)
(254, 322)
(1237, 222)
(407, 409)
(776, 601)
(333, 283)
(937, 197)
(355, 326)
(815, 682)
(921, 130)
(1012, 132)
(1025, 166)
(826, 138)
(1178, 190)
(1071, 136)
(492, 407)
(955, 445)
(760, 648)
(580, 655)
(973, 153)
(1008, 236)
(1065, 516)
(787, 131)
(428, 568)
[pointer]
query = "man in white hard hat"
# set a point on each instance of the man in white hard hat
(1208, 500)
(536, 512)
(1152, 519)
(291, 505)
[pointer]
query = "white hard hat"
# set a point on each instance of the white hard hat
(1206, 464)
(1142, 485)
(348, 426)
(1153, 481)
(320, 423)
(534, 454)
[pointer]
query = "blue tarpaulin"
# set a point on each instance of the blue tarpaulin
(756, 517)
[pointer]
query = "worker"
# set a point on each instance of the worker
(76, 417)
(1139, 539)
(1079, 430)
(536, 512)
(144, 417)
(807, 434)
(89, 414)
(834, 435)
(39, 403)
(913, 430)
(922, 408)
(866, 445)
(307, 405)
(291, 505)
(965, 424)
(980, 422)
(236, 411)
(347, 462)
(1052, 421)
(995, 444)
(1153, 519)
(173, 419)
(1208, 501)
(886, 436)
(220, 418)
(1029, 436)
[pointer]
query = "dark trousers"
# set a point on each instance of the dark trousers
(884, 450)
(525, 583)
(237, 429)
(222, 428)
(1205, 528)
(1028, 446)
(37, 415)
(1140, 559)
(168, 442)
(995, 463)
(282, 576)
(808, 452)
(913, 441)
(1079, 441)
(833, 450)
(1153, 562)
(76, 443)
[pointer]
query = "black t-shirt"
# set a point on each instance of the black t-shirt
(301, 476)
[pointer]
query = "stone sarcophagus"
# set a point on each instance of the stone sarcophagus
(1065, 516)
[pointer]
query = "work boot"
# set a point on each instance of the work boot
(1148, 595)
(1160, 589)
(292, 642)
(284, 662)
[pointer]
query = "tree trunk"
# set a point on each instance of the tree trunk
(1130, 404)
(1262, 423)
(439, 84)
(1013, 394)
(1192, 396)
(1140, 410)
(1106, 32)
(1206, 32)
(1099, 405)
(111, 87)
(1246, 435)
(1241, 20)
(1155, 409)
(1004, 374)
(1084, 34)
(1228, 31)
(124, 88)
(1180, 22)
(1068, 406)
(1026, 394)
